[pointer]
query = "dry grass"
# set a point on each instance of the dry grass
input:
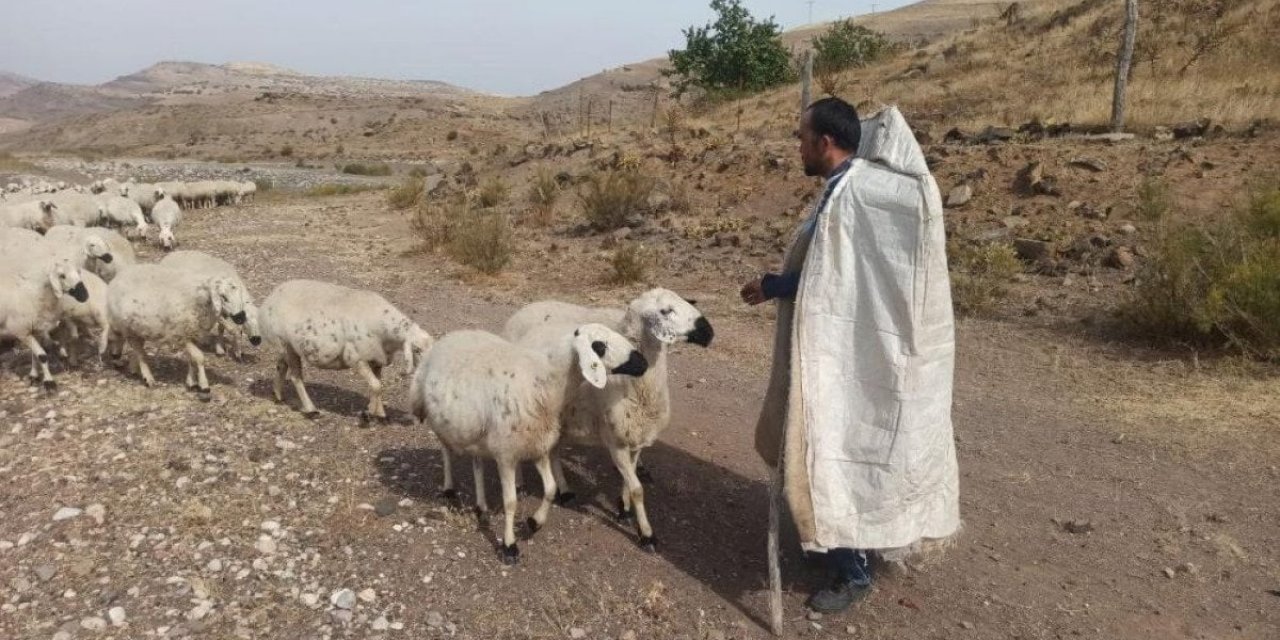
(331, 189)
(361, 169)
(980, 275)
(492, 193)
(10, 163)
(408, 194)
(433, 223)
(543, 194)
(610, 198)
(483, 240)
(630, 264)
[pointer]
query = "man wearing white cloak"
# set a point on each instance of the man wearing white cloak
(858, 410)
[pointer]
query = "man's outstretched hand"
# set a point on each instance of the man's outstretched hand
(753, 293)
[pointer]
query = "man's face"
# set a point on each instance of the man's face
(812, 148)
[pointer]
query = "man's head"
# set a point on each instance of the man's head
(829, 132)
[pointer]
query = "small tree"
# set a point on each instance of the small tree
(734, 54)
(846, 45)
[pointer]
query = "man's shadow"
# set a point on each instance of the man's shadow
(710, 521)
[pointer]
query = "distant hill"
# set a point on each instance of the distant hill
(11, 83)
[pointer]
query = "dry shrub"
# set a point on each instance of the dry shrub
(361, 169)
(483, 241)
(610, 198)
(492, 193)
(980, 275)
(543, 194)
(325, 190)
(433, 222)
(1153, 199)
(408, 194)
(630, 264)
(1217, 285)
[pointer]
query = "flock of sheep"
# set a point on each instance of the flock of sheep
(560, 374)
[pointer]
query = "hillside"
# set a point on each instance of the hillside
(11, 83)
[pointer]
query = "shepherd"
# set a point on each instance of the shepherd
(856, 422)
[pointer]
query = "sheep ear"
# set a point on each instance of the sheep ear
(589, 362)
(53, 282)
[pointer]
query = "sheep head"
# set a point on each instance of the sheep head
(669, 318)
(602, 351)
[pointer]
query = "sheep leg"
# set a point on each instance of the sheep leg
(549, 484)
(196, 362)
(642, 472)
(299, 386)
(482, 505)
(67, 336)
(563, 494)
(635, 491)
(375, 408)
(507, 474)
(449, 493)
(277, 384)
(40, 363)
(139, 363)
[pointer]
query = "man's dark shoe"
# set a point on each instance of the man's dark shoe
(837, 597)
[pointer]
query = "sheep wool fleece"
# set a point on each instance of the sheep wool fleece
(859, 398)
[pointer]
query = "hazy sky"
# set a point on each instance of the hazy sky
(513, 47)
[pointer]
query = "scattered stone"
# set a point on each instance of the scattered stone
(1128, 229)
(1015, 222)
(343, 599)
(959, 196)
(1032, 250)
(1189, 569)
(1075, 526)
(385, 507)
(1195, 129)
(996, 134)
(966, 625)
(270, 526)
(46, 572)
(342, 616)
(577, 633)
(311, 600)
(117, 616)
(1119, 258)
(368, 595)
(380, 624)
(814, 616)
(215, 565)
(97, 512)
(93, 623)
(435, 620)
(200, 610)
(265, 544)
(67, 513)
(1092, 164)
(21, 585)
(1169, 572)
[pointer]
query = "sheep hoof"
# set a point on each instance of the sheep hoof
(510, 554)
(533, 525)
(565, 497)
(366, 418)
(50, 385)
(311, 415)
(642, 474)
(482, 518)
(204, 395)
(649, 543)
(451, 496)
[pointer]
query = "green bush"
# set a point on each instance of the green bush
(1153, 199)
(847, 45)
(483, 241)
(360, 169)
(980, 275)
(735, 54)
(611, 197)
(408, 194)
(1218, 284)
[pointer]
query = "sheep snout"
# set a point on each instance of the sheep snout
(635, 365)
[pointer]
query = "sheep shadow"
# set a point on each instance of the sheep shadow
(711, 522)
(166, 370)
(328, 398)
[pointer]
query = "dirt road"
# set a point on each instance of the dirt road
(240, 518)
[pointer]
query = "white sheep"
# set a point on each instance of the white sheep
(334, 327)
(79, 209)
(486, 397)
(84, 316)
(29, 295)
(122, 254)
(84, 248)
(34, 214)
(167, 215)
(120, 211)
(627, 417)
(225, 336)
(149, 302)
(145, 194)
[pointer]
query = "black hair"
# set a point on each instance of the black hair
(836, 118)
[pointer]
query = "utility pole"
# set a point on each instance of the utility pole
(810, 3)
(1123, 60)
